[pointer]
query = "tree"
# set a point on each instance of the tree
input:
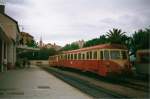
(32, 43)
(116, 36)
(140, 39)
(42, 54)
(96, 41)
(72, 46)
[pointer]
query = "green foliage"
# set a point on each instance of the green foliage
(32, 44)
(70, 47)
(140, 39)
(42, 54)
(116, 36)
(96, 41)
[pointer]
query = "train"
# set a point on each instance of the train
(143, 62)
(104, 59)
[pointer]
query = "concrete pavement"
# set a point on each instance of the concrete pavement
(35, 83)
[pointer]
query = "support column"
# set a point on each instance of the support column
(5, 55)
(2, 55)
(10, 54)
(0, 51)
(15, 55)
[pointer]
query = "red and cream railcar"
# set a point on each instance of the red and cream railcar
(105, 59)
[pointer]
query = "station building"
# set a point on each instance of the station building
(9, 36)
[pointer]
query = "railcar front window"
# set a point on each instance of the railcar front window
(75, 56)
(115, 54)
(106, 54)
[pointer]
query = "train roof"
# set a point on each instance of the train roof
(102, 46)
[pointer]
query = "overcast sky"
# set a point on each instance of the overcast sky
(65, 21)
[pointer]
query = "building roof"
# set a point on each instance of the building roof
(3, 35)
(9, 26)
(12, 20)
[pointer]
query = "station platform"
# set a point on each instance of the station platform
(35, 83)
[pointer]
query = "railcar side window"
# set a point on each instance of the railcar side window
(106, 54)
(115, 54)
(68, 56)
(79, 56)
(101, 54)
(61, 57)
(87, 55)
(83, 56)
(71, 56)
(124, 54)
(90, 55)
(65, 56)
(58, 57)
(95, 55)
(75, 56)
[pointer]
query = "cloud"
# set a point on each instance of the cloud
(65, 21)
(17, 2)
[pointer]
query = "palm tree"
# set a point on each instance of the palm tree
(116, 36)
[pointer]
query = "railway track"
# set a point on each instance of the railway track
(131, 82)
(88, 86)
(135, 84)
(85, 86)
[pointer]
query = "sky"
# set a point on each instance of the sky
(66, 21)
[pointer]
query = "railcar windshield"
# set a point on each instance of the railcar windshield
(115, 54)
(106, 54)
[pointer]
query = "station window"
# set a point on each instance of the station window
(75, 56)
(79, 56)
(101, 54)
(95, 55)
(106, 54)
